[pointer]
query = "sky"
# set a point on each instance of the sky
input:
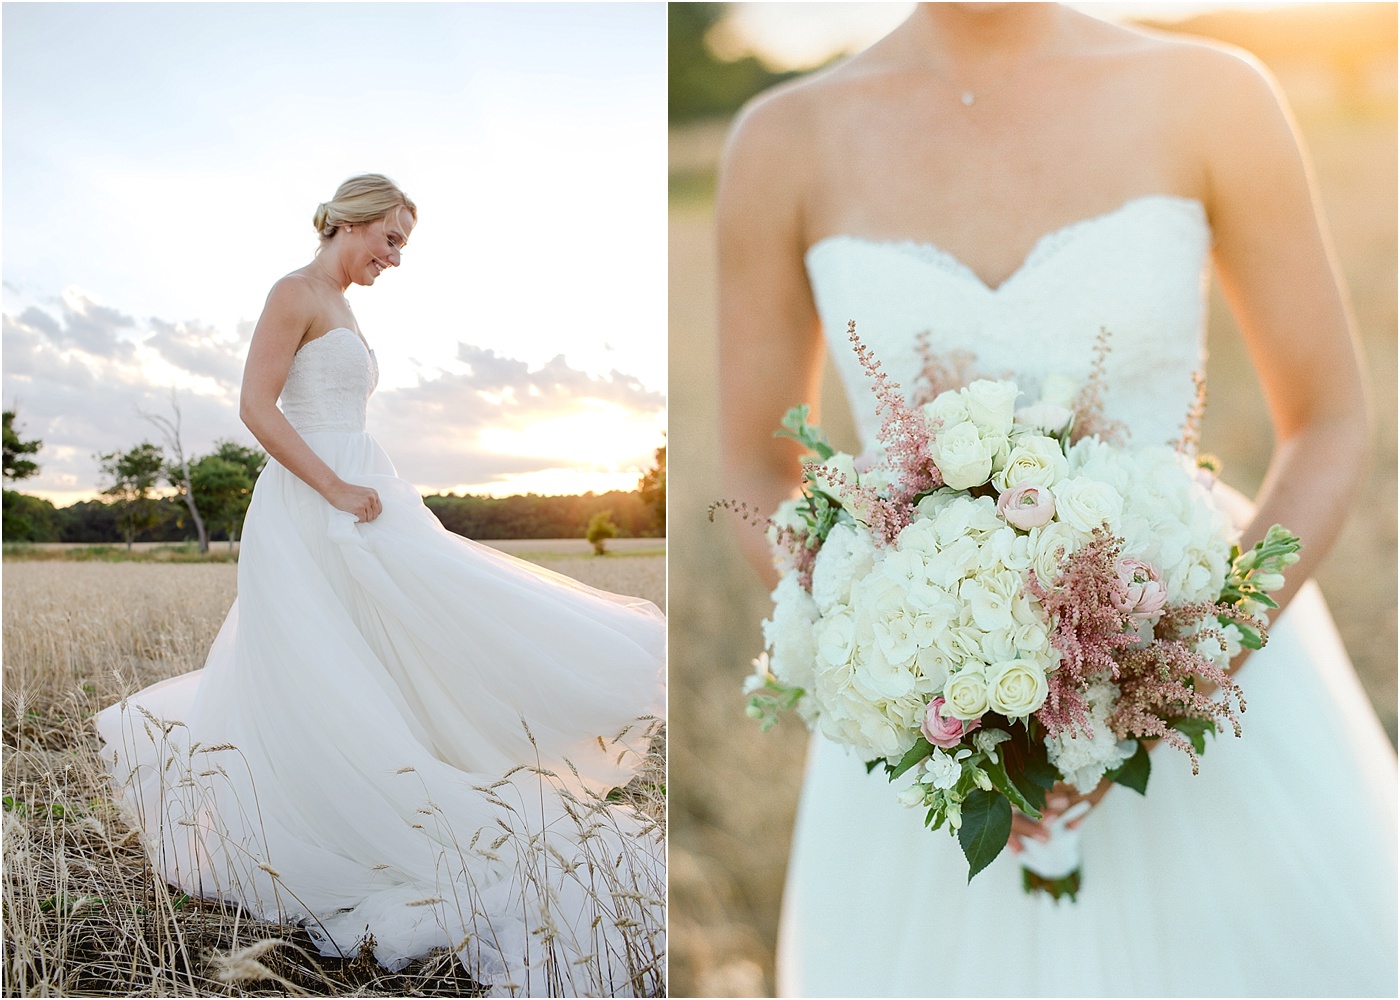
(161, 164)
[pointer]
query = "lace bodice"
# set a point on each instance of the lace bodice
(1138, 271)
(329, 383)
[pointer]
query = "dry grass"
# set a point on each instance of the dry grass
(734, 790)
(83, 913)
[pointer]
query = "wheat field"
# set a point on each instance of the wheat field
(734, 790)
(83, 913)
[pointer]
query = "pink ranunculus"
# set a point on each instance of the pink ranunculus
(944, 731)
(1026, 506)
(1140, 592)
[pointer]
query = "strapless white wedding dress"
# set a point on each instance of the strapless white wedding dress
(350, 757)
(1272, 873)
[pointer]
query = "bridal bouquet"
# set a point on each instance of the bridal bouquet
(1004, 598)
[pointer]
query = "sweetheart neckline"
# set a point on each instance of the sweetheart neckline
(336, 329)
(1051, 240)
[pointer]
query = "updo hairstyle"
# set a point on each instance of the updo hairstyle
(364, 198)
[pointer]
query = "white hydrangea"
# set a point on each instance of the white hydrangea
(789, 635)
(847, 555)
(1083, 757)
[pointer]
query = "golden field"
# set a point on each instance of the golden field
(83, 914)
(734, 790)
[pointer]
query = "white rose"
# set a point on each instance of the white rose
(1016, 687)
(947, 409)
(964, 459)
(1034, 461)
(1059, 390)
(966, 694)
(1085, 504)
(992, 405)
(1047, 417)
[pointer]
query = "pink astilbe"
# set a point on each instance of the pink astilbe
(940, 373)
(1089, 632)
(1089, 419)
(1160, 682)
(887, 518)
(1190, 435)
(903, 432)
(800, 546)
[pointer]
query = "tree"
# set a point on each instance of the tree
(134, 476)
(17, 467)
(653, 489)
(28, 519)
(600, 529)
(223, 484)
(177, 472)
(699, 83)
(222, 490)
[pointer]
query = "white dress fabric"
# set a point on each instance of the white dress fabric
(1272, 872)
(339, 760)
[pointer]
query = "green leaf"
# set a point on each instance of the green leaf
(997, 772)
(1134, 772)
(923, 748)
(1027, 765)
(1194, 730)
(795, 426)
(986, 823)
(871, 765)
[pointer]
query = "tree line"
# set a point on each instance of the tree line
(212, 493)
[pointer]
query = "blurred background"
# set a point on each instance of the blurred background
(734, 790)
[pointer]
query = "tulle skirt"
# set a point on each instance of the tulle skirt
(1270, 873)
(404, 739)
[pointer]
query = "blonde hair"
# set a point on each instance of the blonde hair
(364, 198)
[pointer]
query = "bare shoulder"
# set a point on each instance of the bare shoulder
(1208, 77)
(780, 140)
(291, 307)
(790, 118)
(771, 131)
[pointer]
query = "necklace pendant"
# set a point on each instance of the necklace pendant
(968, 98)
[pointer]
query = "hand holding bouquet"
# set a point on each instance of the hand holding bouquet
(1004, 598)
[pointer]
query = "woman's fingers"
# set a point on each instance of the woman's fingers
(369, 507)
(1023, 826)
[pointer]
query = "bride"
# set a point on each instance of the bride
(401, 739)
(1009, 179)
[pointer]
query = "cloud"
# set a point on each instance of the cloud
(86, 325)
(441, 423)
(80, 393)
(199, 350)
(491, 373)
